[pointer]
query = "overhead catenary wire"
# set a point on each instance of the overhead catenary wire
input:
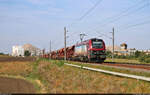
(117, 17)
(113, 18)
(104, 35)
(87, 12)
(145, 5)
(123, 14)
(126, 25)
(91, 9)
(131, 26)
(137, 24)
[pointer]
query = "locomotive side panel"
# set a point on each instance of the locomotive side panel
(81, 50)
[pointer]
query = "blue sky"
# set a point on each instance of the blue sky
(39, 21)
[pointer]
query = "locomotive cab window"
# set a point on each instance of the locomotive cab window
(97, 44)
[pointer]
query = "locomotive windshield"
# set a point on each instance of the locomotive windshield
(97, 44)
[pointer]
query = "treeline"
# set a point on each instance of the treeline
(1, 53)
(142, 57)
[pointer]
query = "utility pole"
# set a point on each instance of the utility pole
(50, 50)
(65, 43)
(113, 43)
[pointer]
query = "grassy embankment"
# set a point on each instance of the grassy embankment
(66, 79)
(120, 70)
(59, 78)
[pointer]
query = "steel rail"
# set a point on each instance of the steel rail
(121, 63)
(127, 63)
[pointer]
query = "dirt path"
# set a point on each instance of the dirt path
(12, 85)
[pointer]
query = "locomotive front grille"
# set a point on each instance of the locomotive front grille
(98, 52)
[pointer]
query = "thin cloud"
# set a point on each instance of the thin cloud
(41, 2)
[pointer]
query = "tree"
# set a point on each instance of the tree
(108, 54)
(1, 53)
(27, 53)
(137, 54)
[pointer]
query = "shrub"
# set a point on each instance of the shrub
(27, 53)
(108, 54)
(145, 58)
(59, 63)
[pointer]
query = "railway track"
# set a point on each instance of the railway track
(126, 65)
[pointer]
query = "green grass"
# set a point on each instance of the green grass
(34, 75)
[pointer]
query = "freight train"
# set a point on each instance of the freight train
(92, 50)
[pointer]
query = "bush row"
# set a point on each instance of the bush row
(142, 57)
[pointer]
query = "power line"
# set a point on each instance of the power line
(103, 35)
(113, 18)
(125, 13)
(91, 9)
(122, 14)
(139, 19)
(88, 11)
(65, 54)
(138, 24)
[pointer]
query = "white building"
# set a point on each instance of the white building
(17, 51)
(32, 49)
(131, 51)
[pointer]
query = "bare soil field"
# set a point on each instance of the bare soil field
(12, 85)
(10, 59)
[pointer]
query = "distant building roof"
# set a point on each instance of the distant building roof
(29, 47)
